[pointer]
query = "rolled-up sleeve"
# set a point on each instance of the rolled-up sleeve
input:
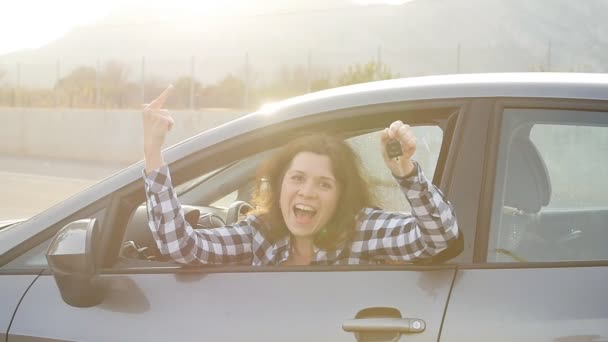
(427, 231)
(176, 238)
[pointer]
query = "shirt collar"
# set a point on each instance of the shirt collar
(282, 250)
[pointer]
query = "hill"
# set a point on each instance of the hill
(417, 38)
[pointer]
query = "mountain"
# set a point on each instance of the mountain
(416, 38)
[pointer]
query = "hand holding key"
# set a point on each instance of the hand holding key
(398, 146)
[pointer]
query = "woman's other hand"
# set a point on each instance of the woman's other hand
(402, 165)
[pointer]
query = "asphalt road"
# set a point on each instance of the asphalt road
(30, 185)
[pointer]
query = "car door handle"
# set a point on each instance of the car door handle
(401, 325)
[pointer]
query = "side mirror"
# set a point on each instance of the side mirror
(72, 260)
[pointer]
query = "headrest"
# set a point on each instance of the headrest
(528, 186)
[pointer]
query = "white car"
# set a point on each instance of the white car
(523, 158)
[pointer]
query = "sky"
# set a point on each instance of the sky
(33, 23)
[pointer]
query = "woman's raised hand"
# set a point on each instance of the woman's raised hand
(157, 123)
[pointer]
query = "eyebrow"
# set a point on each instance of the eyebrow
(322, 177)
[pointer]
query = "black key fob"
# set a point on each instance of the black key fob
(393, 148)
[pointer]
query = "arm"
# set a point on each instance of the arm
(177, 239)
(431, 225)
(173, 234)
(424, 233)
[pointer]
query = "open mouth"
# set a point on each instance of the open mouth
(304, 213)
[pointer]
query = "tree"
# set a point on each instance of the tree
(180, 97)
(78, 88)
(227, 93)
(292, 81)
(361, 73)
(114, 84)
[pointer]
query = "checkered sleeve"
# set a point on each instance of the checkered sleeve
(404, 236)
(177, 239)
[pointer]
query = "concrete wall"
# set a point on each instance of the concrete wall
(92, 135)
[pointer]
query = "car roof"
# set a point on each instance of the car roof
(460, 86)
(525, 85)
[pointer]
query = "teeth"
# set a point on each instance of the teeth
(304, 207)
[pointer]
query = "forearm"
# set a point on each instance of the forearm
(435, 220)
(166, 218)
(176, 238)
(153, 157)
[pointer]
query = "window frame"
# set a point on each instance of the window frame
(350, 120)
(117, 206)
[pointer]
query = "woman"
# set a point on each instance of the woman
(313, 207)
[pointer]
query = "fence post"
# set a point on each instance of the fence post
(379, 63)
(246, 95)
(143, 79)
(458, 58)
(17, 100)
(309, 71)
(192, 69)
(57, 78)
(549, 56)
(97, 90)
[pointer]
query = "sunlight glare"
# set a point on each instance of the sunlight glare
(34, 23)
(382, 2)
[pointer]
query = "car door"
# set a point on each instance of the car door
(13, 286)
(146, 300)
(541, 259)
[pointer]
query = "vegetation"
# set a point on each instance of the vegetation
(360, 73)
(111, 87)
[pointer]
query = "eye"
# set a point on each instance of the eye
(297, 178)
(326, 185)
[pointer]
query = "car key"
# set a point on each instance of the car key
(393, 149)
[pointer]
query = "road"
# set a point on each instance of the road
(31, 185)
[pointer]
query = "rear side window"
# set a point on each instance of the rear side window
(551, 201)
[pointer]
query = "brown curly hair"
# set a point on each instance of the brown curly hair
(346, 167)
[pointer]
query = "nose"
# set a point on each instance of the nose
(307, 189)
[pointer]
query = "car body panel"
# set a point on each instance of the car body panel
(12, 288)
(529, 304)
(260, 306)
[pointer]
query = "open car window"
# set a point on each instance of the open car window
(208, 198)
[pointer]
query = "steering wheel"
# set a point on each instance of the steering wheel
(235, 210)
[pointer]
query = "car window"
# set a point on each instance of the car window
(387, 193)
(574, 152)
(550, 202)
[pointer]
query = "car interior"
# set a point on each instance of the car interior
(527, 229)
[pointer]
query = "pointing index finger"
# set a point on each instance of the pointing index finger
(158, 102)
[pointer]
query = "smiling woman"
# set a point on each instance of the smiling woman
(312, 206)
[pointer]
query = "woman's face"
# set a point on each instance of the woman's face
(309, 194)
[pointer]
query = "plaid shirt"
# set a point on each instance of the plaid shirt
(379, 237)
